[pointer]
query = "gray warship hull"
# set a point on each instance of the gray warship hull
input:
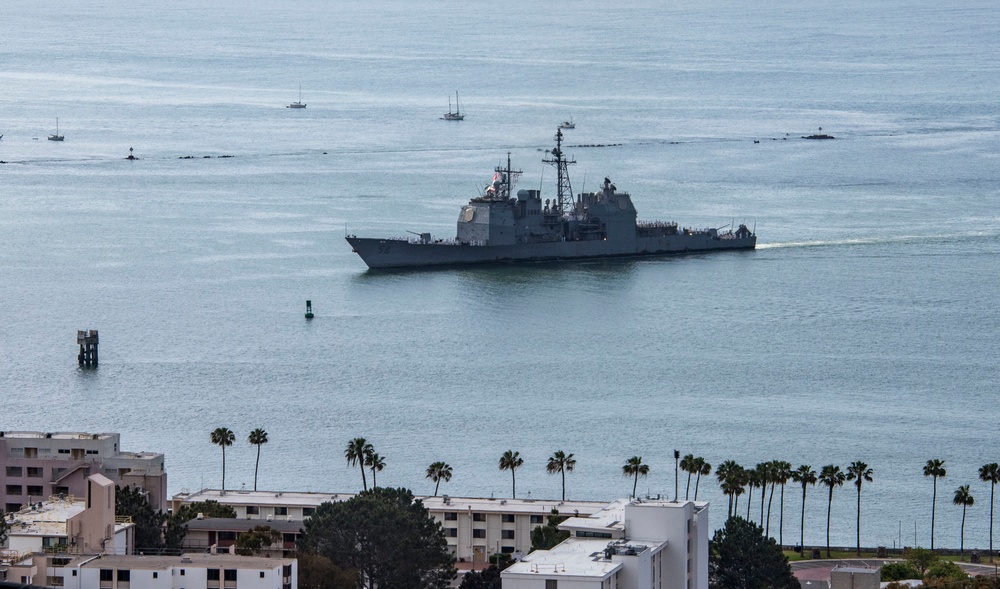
(404, 253)
(501, 226)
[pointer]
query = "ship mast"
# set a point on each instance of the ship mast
(507, 177)
(563, 188)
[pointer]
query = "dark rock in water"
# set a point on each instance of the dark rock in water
(818, 137)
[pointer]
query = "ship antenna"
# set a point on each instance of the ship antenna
(564, 190)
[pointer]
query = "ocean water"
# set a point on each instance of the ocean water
(864, 327)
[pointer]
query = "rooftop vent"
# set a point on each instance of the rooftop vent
(200, 516)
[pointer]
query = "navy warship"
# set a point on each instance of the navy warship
(500, 227)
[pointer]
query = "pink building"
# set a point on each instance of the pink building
(39, 465)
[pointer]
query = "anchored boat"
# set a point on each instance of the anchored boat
(500, 226)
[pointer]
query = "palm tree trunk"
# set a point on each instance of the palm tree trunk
(763, 493)
(829, 507)
(513, 484)
(563, 471)
(736, 503)
(635, 484)
(698, 481)
(749, 501)
(223, 467)
(687, 492)
(437, 484)
(364, 480)
(767, 530)
(992, 486)
(961, 546)
(781, 518)
(933, 505)
(374, 484)
(859, 522)
(802, 533)
(730, 513)
(255, 467)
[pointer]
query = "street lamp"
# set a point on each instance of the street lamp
(677, 456)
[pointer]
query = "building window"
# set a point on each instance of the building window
(57, 472)
(280, 511)
(551, 584)
(308, 511)
(91, 451)
(584, 534)
(451, 532)
(124, 575)
(478, 517)
(253, 510)
(450, 516)
(213, 574)
(35, 472)
(262, 574)
(507, 549)
(536, 519)
(60, 490)
(230, 536)
(288, 537)
(64, 450)
(230, 575)
(13, 490)
(507, 518)
(107, 575)
(31, 452)
(478, 533)
(14, 471)
(36, 490)
(286, 570)
(507, 534)
(54, 581)
(155, 574)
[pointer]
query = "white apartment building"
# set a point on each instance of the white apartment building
(630, 544)
(475, 528)
(187, 571)
(37, 465)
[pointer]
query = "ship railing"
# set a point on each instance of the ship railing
(656, 224)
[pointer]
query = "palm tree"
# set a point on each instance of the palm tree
(511, 461)
(754, 481)
(223, 436)
(374, 462)
(703, 468)
(772, 480)
(437, 472)
(688, 466)
(724, 473)
(782, 473)
(805, 476)
(859, 472)
(258, 437)
(964, 498)
(741, 479)
(562, 463)
(934, 468)
(990, 473)
(357, 450)
(832, 477)
(633, 468)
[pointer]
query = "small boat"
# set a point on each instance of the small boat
(453, 116)
(299, 103)
(57, 136)
(567, 124)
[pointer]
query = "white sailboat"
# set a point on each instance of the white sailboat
(299, 103)
(57, 136)
(453, 116)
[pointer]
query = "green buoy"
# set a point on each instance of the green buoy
(309, 309)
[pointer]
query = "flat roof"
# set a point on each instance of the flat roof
(158, 562)
(60, 435)
(578, 557)
(243, 497)
(48, 520)
(848, 569)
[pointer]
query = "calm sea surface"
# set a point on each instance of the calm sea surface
(865, 327)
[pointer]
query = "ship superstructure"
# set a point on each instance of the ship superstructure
(500, 226)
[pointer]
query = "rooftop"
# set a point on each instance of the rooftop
(244, 497)
(58, 435)
(47, 520)
(575, 557)
(230, 561)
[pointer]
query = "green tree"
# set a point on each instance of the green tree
(223, 436)
(355, 453)
(771, 474)
(317, 572)
(437, 472)
(561, 463)
(176, 528)
(964, 498)
(990, 473)
(832, 477)
(755, 478)
(4, 527)
(804, 476)
(375, 462)
(934, 468)
(899, 571)
(546, 536)
(704, 469)
(921, 559)
(782, 474)
(258, 437)
(945, 570)
(256, 540)
(724, 474)
(511, 461)
(635, 468)
(488, 578)
(859, 472)
(384, 534)
(741, 557)
(688, 466)
(134, 503)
